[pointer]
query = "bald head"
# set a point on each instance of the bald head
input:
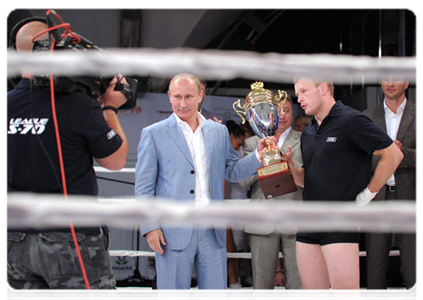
(185, 76)
(26, 34)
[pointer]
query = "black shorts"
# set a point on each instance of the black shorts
(325, 238)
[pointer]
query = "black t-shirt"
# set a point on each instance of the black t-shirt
(337, 155)
(32, 154)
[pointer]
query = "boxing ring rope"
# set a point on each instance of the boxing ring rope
(241, 255)
(40, 211)
(214, 64)
(238, 255)
(277, 289)
(123, 170)
(48, 210)
(44, 211)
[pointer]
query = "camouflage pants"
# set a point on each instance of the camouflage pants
(49, 261)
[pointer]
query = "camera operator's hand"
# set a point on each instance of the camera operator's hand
(110, 102)
(111, 97)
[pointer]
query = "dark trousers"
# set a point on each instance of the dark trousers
(49, 261)
(378, 246)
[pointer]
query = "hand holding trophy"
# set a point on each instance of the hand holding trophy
(261, 109)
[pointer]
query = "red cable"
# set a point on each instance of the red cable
(64, 25)
(62, 171)
(67, 33)
(51, 11)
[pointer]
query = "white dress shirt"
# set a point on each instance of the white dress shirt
(283, 136)
(392, 121)
(196, 144)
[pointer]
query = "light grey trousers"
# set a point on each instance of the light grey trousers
(264, 251)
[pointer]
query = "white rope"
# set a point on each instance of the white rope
(244, 255)
(238, 255)
(146, 290)
(213, 64)
(41, 211)
(131, 253)
(277, 289)
(104, 170)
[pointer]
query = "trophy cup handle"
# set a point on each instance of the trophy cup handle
(239, 109)
(283, 95)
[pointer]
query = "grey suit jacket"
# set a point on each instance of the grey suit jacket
(405, 175)
(294, 141)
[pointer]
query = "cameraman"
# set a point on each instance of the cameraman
(43, 259)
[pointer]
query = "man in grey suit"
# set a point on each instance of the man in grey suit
(186, 159)
(396, 116)
(206, 113)
(265, 243)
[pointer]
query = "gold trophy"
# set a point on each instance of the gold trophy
(261, 108)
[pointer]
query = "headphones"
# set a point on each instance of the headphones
(19, 25)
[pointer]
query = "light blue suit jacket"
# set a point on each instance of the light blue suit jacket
(165, 169)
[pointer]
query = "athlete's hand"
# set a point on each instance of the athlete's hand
(364, 197)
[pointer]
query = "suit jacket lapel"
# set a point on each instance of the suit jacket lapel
(290, 140)
(379, 116)
(407, 118)
(176, 135)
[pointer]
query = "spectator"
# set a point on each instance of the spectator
(234, 191)
(301, 121)
(206, 113)
(397, 116)
(266, 242)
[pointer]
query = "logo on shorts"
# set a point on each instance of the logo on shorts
(27, 125)
(111, 134)
(331, 139)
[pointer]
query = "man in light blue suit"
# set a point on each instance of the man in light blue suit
(187, 158)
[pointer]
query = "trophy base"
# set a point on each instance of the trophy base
(276, 180)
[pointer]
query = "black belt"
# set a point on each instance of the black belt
(391, 188)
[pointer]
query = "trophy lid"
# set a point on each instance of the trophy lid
(259, 94)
